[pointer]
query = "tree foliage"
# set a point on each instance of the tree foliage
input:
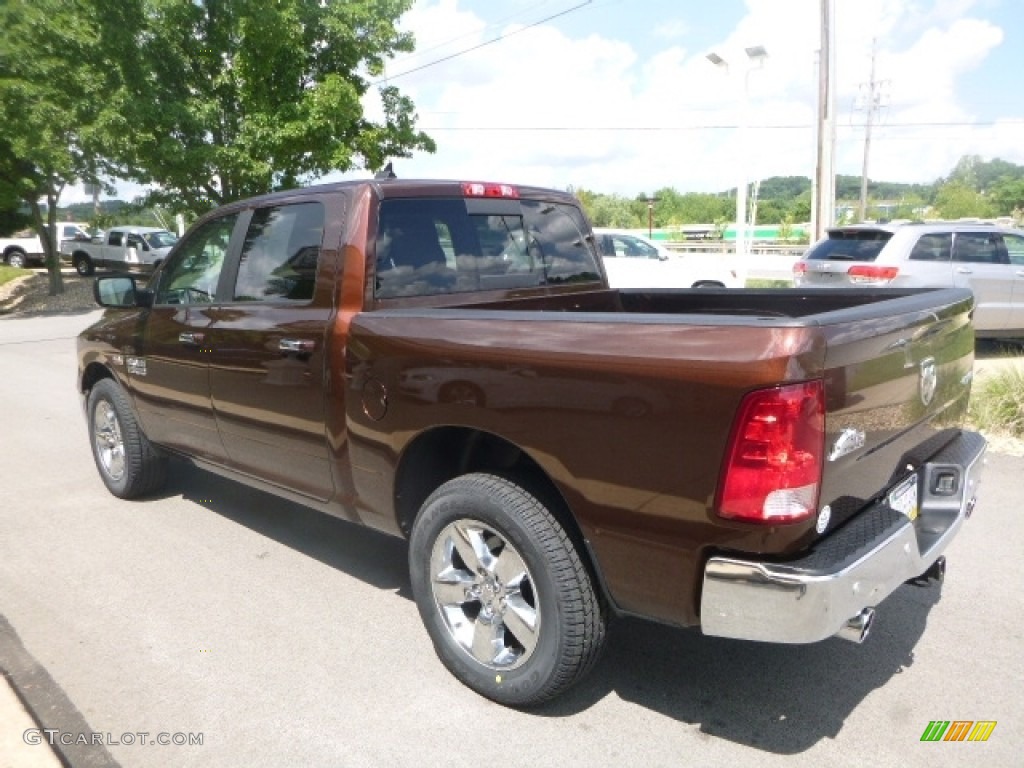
(50, 87)
(223, 99)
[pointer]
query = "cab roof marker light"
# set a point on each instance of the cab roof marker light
(480, 189)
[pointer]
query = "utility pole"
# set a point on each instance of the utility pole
(871, 103)
(824, 187)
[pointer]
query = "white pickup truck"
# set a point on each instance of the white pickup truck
(126, 249)
(26, 248)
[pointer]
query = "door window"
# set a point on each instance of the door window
(192, 276)
(280, 254)
(933, 247)
(1015, 248)
(978, 248)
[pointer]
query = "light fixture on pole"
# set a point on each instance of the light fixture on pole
(756, 54)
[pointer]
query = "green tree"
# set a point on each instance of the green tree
(1008, 195)
(50, 88)
(223, 99)
(955, 200)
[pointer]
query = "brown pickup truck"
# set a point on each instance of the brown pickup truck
(445, 361)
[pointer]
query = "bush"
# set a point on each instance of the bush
(997, 403)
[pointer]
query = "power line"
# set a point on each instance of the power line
(484, 44)
(716, 127)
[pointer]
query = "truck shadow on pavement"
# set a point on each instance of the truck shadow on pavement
(777, 698)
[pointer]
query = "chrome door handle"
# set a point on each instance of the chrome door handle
(194, 339)
(302, 346)
(964, 271)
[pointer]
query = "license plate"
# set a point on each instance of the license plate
(903, 498)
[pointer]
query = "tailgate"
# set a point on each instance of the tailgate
(896, 391)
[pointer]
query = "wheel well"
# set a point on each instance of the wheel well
(444, 453)
(93, 373)
(13, 249)
(708, 284)
(79, 255)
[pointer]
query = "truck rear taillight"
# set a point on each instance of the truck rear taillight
(479, 189)
(866, 273)
(773, 464)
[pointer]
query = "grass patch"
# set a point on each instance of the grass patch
(997, 403)
(762, 282)
(10, 273)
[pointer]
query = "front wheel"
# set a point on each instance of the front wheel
(505, 597)
(128, 463)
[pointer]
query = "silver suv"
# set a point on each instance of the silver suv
(987, 259)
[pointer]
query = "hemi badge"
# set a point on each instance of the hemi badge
(137, 365)
(849, 441)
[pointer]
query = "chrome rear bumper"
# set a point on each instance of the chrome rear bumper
(810, 599)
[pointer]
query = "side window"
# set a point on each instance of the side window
(638, 249)
(192, 276)
(1014, 248)
(280, 254)
(934, 247)
(978, 248)
(115, 238)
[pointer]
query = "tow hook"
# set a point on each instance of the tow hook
(936, 573)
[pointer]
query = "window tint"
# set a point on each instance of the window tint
(1014, 248)
(932, 247)
(440, 246)
(633, 248)
(280, 253)
(850, 246)
(192, 276)
(116, 238)
(978, 248)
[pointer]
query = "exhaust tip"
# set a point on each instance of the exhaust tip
(856, 629)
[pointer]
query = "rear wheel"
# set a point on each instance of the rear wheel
(503, 593)
(83, 264)
(128, 463)
(16, 259)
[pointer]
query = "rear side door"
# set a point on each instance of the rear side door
(267, 350)
(1015, 253)
(635, 263)
(980, 263)
(171, 380)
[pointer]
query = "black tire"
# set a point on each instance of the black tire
(83, 264)
(128, 463)
(708, 284)
(16, 259)
(534, 607)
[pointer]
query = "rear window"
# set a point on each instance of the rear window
(455, 245)
(843, 245)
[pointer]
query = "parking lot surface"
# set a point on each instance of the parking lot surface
(213, 625)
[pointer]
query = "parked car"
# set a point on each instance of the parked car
(633, 261)
(987, 259)
(126, 249)
(26, 248)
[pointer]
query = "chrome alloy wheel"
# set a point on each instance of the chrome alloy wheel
(106, 434)
(485, 594)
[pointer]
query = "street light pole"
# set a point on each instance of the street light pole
(756, 55)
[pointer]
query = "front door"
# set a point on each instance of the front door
(171, 376)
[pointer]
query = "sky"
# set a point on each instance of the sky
(618, 97)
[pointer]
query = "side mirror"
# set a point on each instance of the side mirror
(120, 292)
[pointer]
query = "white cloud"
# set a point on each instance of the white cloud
(598, 87)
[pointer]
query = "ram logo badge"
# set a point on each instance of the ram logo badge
(849, 441)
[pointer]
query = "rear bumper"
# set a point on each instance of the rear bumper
(810, 599)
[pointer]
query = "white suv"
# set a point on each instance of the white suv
(987, 259)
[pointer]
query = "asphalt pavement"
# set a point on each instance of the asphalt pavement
(213, 625)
